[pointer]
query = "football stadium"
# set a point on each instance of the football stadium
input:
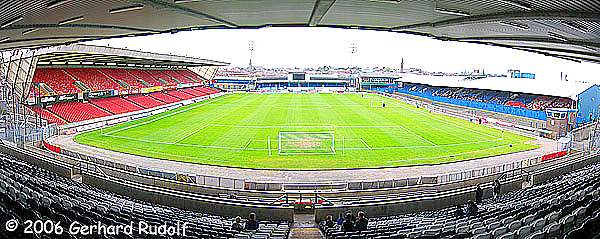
(101, 141)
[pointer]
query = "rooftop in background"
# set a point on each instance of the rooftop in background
(565, 29)
(95, 56)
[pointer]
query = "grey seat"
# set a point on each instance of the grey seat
(499, 231)
(478, 230)
(513, 226)
(539, 224)
(538, 235)
(509, 235)
(493, 226)
(553, 230)
(523, 232)
(482, 236)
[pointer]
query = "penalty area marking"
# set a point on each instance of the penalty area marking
(447, 156)
(167, 115)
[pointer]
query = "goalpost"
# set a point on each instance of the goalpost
(290, 143)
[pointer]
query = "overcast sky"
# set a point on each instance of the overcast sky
(313, 47)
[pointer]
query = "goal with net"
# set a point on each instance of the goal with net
(306, 143)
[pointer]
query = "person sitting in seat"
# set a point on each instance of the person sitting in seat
(361, 222)
(497, 188)
(329, 223)
(251, 224)
(472, 209)
(237, 225)
(348, 225)
(458, 212)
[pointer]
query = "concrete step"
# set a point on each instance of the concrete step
(304, 227)
(306, 233)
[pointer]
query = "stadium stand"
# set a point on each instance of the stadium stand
(145, 101)
(28, 192)
(59, 82)
(180, 76)
(567, 205)
(191, 75)
(77, 111)
(45, 114)
(124, 76)
(93, 78)
(528, 101)
(180, 94)
(164, 97)
(145, 77)
(116, 105)
(161, 76)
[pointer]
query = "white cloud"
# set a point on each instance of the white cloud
(309, 47)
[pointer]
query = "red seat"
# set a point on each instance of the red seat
(180, 94)
(94, 79)
(47, 115)
(145, 76)
(157, 74)
(77, 111)
(179, 76)
(60, 82)
(145, 101)
(122, 74)
(116, 105)
(164, 97)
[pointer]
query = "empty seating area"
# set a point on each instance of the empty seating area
(69, 112)
(47, 115)
(57, 79)
(159, 75)
(180, 76)
(164, 97)
(145, 101)
(63, 80)
(146, 77)
(122, 75)
(181, 94)
(116, 105)
(94, 79)
(568, 205)
(77, 111)
(30, 193)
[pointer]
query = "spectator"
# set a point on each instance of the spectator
(348, 225)
(458, 212)
(497, 188)
(237, 225)
(361, 222)
(251, 224)
(329, 222)
(471, 209)
(479, 194)
(340, 219)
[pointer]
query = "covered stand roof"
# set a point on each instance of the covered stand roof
(569, 29)
(77, 54)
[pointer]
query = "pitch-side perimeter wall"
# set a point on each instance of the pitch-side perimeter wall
(94, 174)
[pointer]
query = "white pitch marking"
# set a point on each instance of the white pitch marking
(164, 116)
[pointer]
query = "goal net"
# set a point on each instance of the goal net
(306, 143)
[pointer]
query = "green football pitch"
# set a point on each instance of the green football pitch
(242, 130)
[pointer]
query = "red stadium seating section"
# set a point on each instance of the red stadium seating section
(145, 76)
(164, 97)
(122, 74)
(180, 94)
(160, 75)
(94, 79)
(56, 79)
(77, 111)
(49, 116)
(179, 76)
(68, 112)
(145, 101)
(191, 75)
(116, 105)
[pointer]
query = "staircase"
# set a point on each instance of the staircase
(305, 227)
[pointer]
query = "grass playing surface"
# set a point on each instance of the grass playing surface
(233, 130)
